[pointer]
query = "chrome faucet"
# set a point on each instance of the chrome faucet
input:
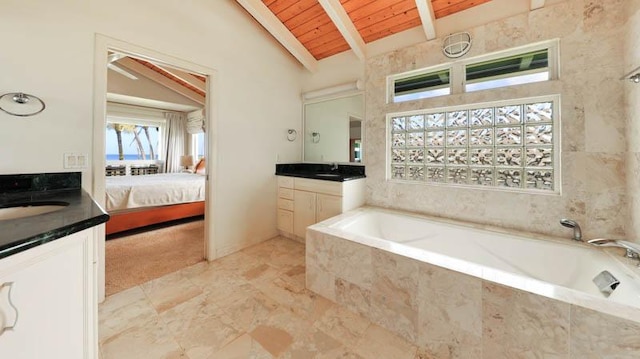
(334, 166)
(633, 249)
(570, 223)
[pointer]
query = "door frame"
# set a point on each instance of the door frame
(103, 45)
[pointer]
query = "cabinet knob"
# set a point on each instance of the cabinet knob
(3, 320)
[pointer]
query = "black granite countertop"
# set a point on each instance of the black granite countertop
(20, 234)
(321, 171)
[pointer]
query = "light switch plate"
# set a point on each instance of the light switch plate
(75, 160)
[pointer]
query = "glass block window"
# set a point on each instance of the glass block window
(506, 145)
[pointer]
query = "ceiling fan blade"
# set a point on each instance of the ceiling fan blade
(121, 71)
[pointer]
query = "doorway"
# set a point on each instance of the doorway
(125, 57)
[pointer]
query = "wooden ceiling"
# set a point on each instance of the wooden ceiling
(309, 22)
(198, 79)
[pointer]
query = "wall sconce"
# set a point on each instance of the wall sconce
(315, 137)
(291, 135)
(633, 76)
(21, 104)
(186, 162)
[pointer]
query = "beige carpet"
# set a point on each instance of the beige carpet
(137, 258)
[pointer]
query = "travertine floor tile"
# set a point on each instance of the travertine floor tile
(251, 304)
(149, 340)
(243, 347)
(122, 311)
(378, 342)
(168, 291)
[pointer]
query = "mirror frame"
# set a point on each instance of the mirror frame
(329, 98)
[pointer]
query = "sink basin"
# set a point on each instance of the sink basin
(28, 209)
(327, 175)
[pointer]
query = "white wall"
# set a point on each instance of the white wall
(48, 51)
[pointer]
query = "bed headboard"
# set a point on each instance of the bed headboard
(200, 167)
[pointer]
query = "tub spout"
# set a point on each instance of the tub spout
(570, 223)
(633, 249)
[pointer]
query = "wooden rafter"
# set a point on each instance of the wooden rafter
(158, 77)
(276, 28)
(427, 16)
(341, 19)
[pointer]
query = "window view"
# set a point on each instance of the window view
(504, 145)
(126, 141)
(198, 145)
(422, 86)
(536, 63)
(508, 71)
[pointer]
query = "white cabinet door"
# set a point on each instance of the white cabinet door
(328, 206)
(304, 211)
(49, 292)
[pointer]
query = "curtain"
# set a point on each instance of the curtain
(176, 143)
(195, 122)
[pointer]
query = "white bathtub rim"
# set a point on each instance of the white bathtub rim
(517, 281)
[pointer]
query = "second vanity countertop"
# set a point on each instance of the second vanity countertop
(20, 234)
(321, 171)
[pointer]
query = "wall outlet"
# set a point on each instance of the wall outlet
(75, 160)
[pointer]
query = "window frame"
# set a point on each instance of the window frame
(556, 156)
(457, 68)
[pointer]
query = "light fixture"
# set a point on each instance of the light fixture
(456, 45)
(21, 104)
(333, 90)
(633, 76)
(315, 137)
(186, 162)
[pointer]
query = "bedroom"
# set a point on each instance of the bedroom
(155, 167)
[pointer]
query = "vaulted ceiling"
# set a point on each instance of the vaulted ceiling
(316, 29)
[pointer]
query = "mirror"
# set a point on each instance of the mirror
(333, 129)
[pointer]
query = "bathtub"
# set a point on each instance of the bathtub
(342, 250)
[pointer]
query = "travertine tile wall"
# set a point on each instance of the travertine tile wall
(593, 117)
(452, 315)
(632, 91)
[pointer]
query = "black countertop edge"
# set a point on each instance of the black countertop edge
(339, 178)
(21, 234)
(321, 171)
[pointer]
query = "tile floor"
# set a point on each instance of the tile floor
(251, 304)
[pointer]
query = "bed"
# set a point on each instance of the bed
(138, 201)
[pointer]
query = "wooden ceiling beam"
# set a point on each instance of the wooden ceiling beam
(274, 26)
(341, 19)
(427, 16)
(186, 77)
(161, 79)
(537, 4)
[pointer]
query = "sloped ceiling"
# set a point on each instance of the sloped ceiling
(316, 29)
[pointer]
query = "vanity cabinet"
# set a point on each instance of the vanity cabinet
(303, 202)
(47, 295)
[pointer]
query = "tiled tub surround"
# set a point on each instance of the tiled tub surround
(527, 302)
(592, 122)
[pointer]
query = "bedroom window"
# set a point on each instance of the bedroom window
(509, 145)
(132, 140)
(198, 145)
